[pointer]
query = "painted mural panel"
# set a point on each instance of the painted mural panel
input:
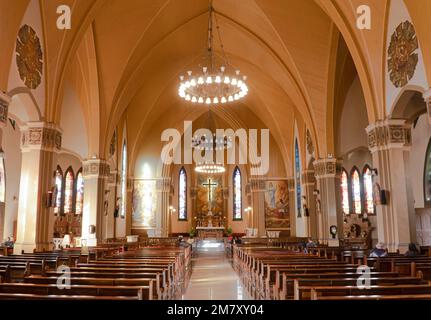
(144, 204)
(277, 205)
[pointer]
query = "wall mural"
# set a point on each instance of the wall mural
(276, 205)
(144, 204)
(29, 57)
(205, 199)
(402, 58)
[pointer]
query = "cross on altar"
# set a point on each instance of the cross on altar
(209, 185)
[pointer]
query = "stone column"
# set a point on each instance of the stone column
(4, 104)
(109, 206)
(257, 187)
(389, 142)
(40, 144)
(328, 172)
(309, 184)
(163, 187)
(95, 173)
(292, 205)
(427, 98)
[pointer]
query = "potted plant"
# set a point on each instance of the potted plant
(229, 231)
(192, 233)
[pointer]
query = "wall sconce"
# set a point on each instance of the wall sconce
(248, 209)
(172, 209)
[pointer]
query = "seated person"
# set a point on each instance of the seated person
(8, 243)
(310, 243)
(413, 251)
(379, 251)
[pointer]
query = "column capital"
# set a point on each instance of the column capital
(308, 177)
(4, 107)
(327, 168)
(427, 97)
(95, 168)
(389, 134)
(44, 136)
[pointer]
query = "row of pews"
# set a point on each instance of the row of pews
(107, 273)
(275, 273)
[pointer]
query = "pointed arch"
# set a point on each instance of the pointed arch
(367, 181)
(356, 190)
(182, 194)
(58, 194)
(79, 192)
(69, 183)
(123, 180)
(298, 179)
(237, 193)
(345, 194)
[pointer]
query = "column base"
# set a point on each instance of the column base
(333, 243)
(19, 248)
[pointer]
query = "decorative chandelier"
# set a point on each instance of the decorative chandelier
(210, 168)
(215, 81)
(211, 142)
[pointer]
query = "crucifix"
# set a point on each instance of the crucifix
(209, 185)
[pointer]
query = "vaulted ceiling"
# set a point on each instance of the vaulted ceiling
(123, 57)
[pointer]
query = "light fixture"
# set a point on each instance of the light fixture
(210, 168)
(215, 79)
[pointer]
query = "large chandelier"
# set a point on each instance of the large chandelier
(215, 81)
(210, 168)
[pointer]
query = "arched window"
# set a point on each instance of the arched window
(427, 176)
(79, 191)
(182, 195)
(68, 190)
(2, 181)
(345, 200)
(123, 180)
(58, 189)
(298, 179)
(237, 194)
(368, 190)
(356, 191)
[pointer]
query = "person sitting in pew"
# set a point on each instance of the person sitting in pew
(413, 251)
(379, 251)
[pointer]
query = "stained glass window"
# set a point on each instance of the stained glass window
(345, 192)
(368, 190)
(68, 191)
(427, 176)
(79, 202)
(237, 195)
(182, 195)
(298, 180)
(356, 191)
(58, 189)
(123, 181)
(2, 181)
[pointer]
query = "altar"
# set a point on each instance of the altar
(210, 232)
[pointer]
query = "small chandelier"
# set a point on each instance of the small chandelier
(215, 82)
(211, 142)
(210, 168)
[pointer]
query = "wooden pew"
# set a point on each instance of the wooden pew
(143, 292)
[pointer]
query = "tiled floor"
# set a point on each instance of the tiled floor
(213, 277)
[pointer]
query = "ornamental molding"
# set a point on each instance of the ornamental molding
(41, 136)
(308, 177)
(95, 168)
(402, 54)
(389, 134)
(4, 107)
(327, 168)
(29, 57)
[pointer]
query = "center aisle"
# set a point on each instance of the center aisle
(213, 277)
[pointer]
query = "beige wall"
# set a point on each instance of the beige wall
(12, 154)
